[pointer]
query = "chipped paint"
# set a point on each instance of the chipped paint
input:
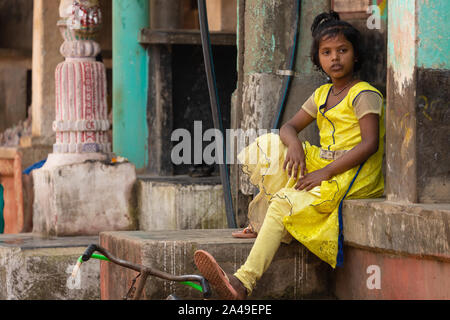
(266, 41)
(401, 42)
(409, 163)
(406, 142)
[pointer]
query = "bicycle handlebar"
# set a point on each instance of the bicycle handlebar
(206, 289)
(88, 252)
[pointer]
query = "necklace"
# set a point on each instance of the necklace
(336, 94)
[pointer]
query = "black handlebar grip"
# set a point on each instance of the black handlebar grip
(88, 253)
(205, 288)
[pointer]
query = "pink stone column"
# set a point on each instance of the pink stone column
(81, 121)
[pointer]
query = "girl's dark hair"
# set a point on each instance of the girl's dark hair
(329, 24)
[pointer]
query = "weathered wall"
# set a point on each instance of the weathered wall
(433, 135)
(432, 101)
(16, 24)
(418, 112)
(13, 96)
(16, 19)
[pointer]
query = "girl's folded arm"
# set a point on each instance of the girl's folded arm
(295, 157)
(360, 153)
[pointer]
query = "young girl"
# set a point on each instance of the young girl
(304, 191)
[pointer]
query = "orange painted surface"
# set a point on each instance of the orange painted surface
(401, 277)
(11, 179)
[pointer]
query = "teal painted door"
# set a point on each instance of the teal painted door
(130, 81)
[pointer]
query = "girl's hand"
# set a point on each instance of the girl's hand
(295, 159)
(313, 179)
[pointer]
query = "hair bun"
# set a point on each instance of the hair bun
(322, 20)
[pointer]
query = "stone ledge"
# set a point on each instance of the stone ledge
(181, 179)
(295, 273)
(34, 268)
(411, 229)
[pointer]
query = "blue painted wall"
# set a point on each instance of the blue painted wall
(433, 34)
(130, 81)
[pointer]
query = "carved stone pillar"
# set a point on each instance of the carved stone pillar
(81, 120)
(79, 191)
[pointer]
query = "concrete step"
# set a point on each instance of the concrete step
(180, 202)
(33, 268)
(295, 273)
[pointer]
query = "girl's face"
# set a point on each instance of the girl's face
(336, 56)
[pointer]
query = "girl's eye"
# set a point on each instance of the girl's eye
(344, 50)
(325, 52)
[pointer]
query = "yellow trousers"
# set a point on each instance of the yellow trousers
(270, 236)
(264, 249)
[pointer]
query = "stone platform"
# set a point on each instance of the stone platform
(83, 198)
(295, 273)
(34, 268)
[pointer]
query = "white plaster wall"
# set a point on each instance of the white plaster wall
(174, 206)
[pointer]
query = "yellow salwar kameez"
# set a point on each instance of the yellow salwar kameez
(313, 217)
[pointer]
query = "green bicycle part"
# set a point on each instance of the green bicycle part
(187, 283)
(99, 257)
(94, 256)
(192, 285)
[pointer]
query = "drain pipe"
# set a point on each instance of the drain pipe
(215, 108)
(289, 73)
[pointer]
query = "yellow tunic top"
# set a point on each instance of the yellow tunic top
(314, 217)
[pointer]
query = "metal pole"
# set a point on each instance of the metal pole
(215, 108)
